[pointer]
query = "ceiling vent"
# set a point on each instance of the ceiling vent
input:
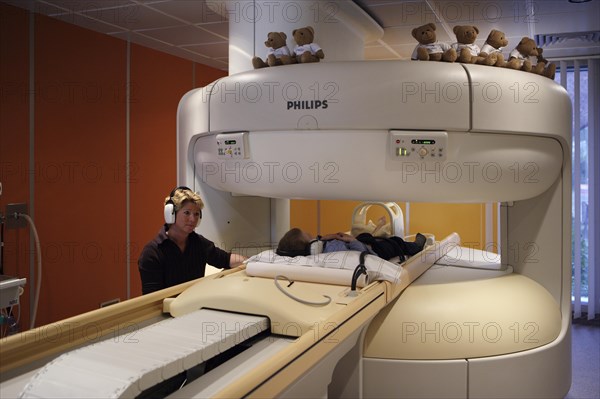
(558, 45)
(551, 39)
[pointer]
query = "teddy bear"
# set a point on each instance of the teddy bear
(306, 50)
(519, 57)
(494, 44)
(543, 66)
(467, 50)
(429, 49)
(278, 52)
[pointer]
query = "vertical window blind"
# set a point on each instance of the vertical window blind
(580, 77)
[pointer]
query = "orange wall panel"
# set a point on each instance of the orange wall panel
(159, 81)
(80, 158)
(14, 138)
(468, 220)
(205, 74)
(79, 148)
(336, 216)
(304, 215)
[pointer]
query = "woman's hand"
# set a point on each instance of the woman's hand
(236, 260)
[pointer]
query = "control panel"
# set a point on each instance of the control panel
(232, 145)
(418, 145)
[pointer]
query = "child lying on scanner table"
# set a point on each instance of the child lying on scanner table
(300, 243)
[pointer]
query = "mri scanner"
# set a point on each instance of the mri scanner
(451, 321)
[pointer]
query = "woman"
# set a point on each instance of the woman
(179, 254)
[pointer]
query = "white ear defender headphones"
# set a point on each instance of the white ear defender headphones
(170, 206)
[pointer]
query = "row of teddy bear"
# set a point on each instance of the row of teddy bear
(466, 51)
(306, 49)
(429, 49)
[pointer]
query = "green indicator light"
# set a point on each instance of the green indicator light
(425, 141)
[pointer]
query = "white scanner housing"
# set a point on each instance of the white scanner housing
(314, 131)
(408, 131)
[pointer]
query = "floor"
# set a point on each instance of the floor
(586, 360)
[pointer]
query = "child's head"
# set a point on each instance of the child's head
(294, 243)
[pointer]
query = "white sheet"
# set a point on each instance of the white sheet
(329, 268)
(472, 258)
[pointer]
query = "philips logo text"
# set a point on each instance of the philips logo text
(313, 104)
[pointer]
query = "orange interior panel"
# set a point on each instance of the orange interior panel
(14, 139)
(79, 148)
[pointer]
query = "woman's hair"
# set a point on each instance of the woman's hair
(294, 241)
(182, 195)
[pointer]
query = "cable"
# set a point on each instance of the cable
(9, 325)
(3, 320)
(38, 284)
(358, 271)
(295, 298)
(1, 244)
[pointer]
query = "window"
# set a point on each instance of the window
(580, 78)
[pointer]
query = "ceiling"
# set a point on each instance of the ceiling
(191, 30)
